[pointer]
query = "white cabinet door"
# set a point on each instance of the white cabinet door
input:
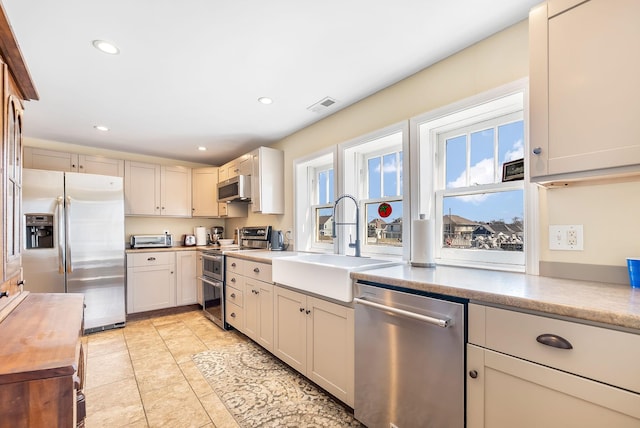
(584, 91)
(100, 165)
(198, 282)
(290, 339)
(267, 181)
(258, 305)
(186, 281)
(175, 187)
(506, 392)
(205, 192)
(150, 288)
(142, 188)
(330, 348)
(50, 160)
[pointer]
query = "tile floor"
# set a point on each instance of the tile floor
(142, 375)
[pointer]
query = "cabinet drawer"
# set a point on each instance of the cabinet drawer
(598, 353)
(259, 271)
(234, 315)
(151, 259)
(235, 265)
(234, 296)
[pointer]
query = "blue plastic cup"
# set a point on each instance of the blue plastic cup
(634, 272)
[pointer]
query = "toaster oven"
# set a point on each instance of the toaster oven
(151, 241)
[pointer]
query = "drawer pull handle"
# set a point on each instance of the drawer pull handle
(233, 280)
(233, 295)
(301, 309)
(473, 374)
(256, 270)
(150, 259)
(555, 341)
(233, 314)
(233, 265)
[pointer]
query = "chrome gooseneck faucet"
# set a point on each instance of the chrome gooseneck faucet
(356, 244)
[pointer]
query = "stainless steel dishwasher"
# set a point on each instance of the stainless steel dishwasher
(409, 360)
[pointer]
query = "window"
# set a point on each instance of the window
(479, 218)
(373, 168)
(314, 195)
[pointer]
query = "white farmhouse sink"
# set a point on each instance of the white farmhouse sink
(323, 274)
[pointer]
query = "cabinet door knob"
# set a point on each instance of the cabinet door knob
(256, 270)
(232, 280)
(4, 294)
(473, 374)
(233, 264)
(233, 295)
(233, 314)
(150, 259)
(301, 309)
(537, 150)
(308, 311)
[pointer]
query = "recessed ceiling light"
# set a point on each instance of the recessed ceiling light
(265, 100)
(101, 128)
(202, 148)
(106, 47)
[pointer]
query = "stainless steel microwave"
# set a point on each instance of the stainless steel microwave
(236, 189)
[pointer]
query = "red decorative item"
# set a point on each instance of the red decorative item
(384, 210)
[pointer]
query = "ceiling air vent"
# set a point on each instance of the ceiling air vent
(322, 105)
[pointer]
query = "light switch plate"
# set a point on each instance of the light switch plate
(566, 237)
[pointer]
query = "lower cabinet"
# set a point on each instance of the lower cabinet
(532, 371)
(316, 337)
(258, 315)
(161, 279)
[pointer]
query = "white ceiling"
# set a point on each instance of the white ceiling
(190, 71)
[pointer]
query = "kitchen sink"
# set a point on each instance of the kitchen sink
(323, 274)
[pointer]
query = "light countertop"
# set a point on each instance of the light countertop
(613, 304)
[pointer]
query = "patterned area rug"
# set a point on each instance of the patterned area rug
(261, 391)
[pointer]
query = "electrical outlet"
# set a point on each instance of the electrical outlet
(566, 237)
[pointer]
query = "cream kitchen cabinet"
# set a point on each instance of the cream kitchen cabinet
(199, 291)
(234, 293)
(152, 190)
(528, 370)
(239, 166)
(37, 158)
(205, 192)
(249, 299)
(186, 279)
(205, 196)
(267, 181)
(316, 337)
(151, 281)
(584, 91)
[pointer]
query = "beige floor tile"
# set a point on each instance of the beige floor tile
(108, 368)
(167, 319)
(173, 330)
(151, 350)
(218, 412)
(157, 372)
(105, 344)
(182, 348)
(174, 406)
(116, 404)
(198, 383)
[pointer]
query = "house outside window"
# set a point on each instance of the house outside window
(479, 217)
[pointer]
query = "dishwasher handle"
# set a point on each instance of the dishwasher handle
(444, 323)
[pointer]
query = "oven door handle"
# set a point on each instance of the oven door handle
(210, 282)
(401, 312)
(211, 257)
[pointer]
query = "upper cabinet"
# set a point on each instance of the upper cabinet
(152, 190)
(205, 196)
(267, 181)
(72, 162)
(17, 86)
(240, 166)
(584, 90)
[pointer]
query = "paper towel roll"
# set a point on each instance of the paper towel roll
(422, 238)
(201, 235)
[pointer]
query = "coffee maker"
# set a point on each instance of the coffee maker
(216, 234)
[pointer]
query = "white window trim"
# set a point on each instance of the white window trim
(423, 175)
(351, 171)
(304, 212)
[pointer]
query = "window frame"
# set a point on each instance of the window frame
(426, 171)
(352, 163)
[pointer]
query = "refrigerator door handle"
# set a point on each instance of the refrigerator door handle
(60, 214)
(67, 231)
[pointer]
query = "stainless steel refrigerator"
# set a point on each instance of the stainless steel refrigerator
(73, 241)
